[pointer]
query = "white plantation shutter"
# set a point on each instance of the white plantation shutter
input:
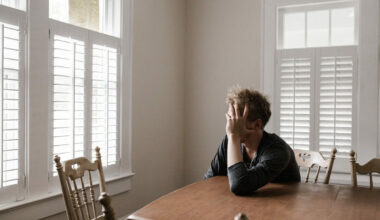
(105, 102)
(68, 97)
(337, 69)
(295, 90)
(322, 77)
(85, 108)
(11, 104)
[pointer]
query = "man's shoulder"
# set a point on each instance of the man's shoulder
(273, 139)
(275, 144)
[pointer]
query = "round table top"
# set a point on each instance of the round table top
(212, 199)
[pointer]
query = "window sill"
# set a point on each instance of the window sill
(52, 203)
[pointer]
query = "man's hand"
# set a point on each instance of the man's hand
(236, 123)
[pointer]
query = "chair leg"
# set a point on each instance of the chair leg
(316, 176)
(307, 175)
(329, 169)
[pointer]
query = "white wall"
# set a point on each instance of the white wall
(222, 48)
(157, 100)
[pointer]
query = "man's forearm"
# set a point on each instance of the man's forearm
(233, 150)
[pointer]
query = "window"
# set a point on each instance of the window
(18, 4)
(11, 102)
(98, 15)
(324, 25)
(315, 76)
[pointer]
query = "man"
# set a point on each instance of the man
(248, 155)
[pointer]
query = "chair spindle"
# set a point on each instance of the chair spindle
(85, 200)
(73, 200)
(92, 194)
(77, 198)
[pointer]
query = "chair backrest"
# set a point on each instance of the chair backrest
(368, 168)
(310, 159)
(78, 204)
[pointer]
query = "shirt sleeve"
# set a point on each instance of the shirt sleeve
(218, 165)
(245, 180)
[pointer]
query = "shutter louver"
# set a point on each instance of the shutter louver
(336, 103)
(10, 104)
(104, 103)
(68, 97)
(295, 95)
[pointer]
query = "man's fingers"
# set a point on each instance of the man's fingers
(246, 108)
(249, 131)
(228, 116)
(232, 110)
(237, 111)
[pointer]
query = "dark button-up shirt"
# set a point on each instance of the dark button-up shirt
(274, 162)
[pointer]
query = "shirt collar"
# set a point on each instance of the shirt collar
(259, 149)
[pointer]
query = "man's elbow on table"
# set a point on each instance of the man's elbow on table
(241, 188)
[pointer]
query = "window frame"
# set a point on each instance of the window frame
(296, 53)
(367, 121)
(338, 51)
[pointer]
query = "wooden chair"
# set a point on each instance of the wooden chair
(77, 203)
(309, 159)
(368, 168)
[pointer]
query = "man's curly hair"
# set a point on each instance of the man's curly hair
(258, 104)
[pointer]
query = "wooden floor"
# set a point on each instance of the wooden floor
(212, 199)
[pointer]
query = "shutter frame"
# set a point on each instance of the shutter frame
(75, 34)
(316, 54)
(337, 52)
(298, 55)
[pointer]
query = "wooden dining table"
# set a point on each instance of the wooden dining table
(212, 199)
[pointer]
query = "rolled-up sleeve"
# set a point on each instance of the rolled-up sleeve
(245, 180)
